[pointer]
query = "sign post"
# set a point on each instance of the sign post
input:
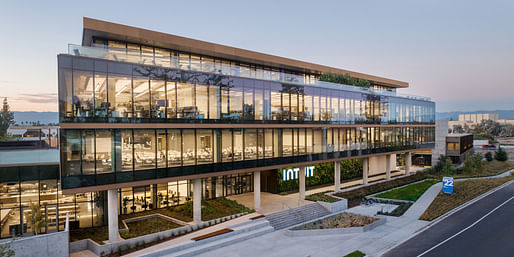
(448, 185)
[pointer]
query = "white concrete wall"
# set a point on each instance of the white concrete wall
(46, 245)
(441, 131)
(377, 164)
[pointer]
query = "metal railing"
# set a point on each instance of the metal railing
(136, 57)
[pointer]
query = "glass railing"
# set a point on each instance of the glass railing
(135, 56)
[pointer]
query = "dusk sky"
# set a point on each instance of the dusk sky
(459, 53)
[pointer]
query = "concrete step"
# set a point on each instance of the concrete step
(287, 218)
(241, 232)
(221, 243)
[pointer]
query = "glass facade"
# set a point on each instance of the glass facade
(99, 156)
(39, 184)
(120, 84)
(102, 91)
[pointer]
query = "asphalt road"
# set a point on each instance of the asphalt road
(491, 236)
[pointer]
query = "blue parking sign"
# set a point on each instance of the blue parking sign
(448, 185)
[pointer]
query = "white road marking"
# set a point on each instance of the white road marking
(468, 227)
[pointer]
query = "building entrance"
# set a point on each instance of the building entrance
(238, 184)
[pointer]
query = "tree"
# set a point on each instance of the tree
(500, 155)
(35, 218)
(448, 168)
(489, 156)
(6, 118)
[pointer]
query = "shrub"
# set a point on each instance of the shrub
(500, 155)
(489, 156)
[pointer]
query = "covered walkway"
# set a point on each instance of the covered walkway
(271, 203)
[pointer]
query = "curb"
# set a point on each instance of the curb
(442, 217)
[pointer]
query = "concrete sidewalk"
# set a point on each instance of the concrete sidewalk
(371, 242)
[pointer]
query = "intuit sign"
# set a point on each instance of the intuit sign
(292, 173)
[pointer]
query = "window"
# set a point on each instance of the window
(71, 152)
(141, 98)
(189, 151)
(161, 148)
(83, 93)
(120, 96)
(171, 96)
(102, 108)
(88, 152)
(250, 140)
(204, 146)
(214, 102)
(103, 151)
(174, 148)
(186, 101)
(287, 142)
(226, 145)
(238, 144)
(202, 101)
(158, 99)
(65, 93)
(144, 149)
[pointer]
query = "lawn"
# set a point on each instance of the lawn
(355, 196)
(408, 193)
(355, 254)
(148, 226)
(463, 192)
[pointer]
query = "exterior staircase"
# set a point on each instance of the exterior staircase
(241, 232)
(294, 216)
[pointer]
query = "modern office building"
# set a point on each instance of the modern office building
(156, 119)
(459, 147)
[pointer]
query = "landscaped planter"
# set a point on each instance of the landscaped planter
(374, 196)
(338, 206)
(101, 250)
(299, 231)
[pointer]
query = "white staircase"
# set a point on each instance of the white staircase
(293, 216)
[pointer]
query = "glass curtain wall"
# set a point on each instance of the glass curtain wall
(100, 151)
(101, 96)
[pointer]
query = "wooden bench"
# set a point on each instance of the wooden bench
(215, 233)
(257, 217)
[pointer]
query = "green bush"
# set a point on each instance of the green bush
(501, 155)
(323, 174)
(344, 79)
(489, 156)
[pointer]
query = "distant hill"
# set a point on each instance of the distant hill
(504, 114)
(44, 118)
(53, 117)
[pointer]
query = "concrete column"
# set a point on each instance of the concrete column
(155, 199)
(197, 200)
(365, 171)
(301, 183)
(112, 215)
(257, 190)
(337, 176)
(408, 160)
(388, 167)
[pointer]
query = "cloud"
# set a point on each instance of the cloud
(38, 98)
